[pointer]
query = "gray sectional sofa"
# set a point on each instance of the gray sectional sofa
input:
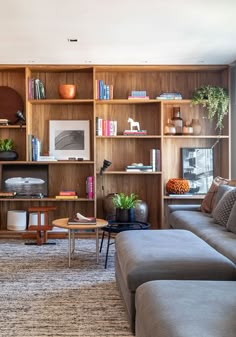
(199, 256)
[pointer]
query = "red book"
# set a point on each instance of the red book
(67, 193)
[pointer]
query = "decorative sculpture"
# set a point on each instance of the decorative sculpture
(133, 124)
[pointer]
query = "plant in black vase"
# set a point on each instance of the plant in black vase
(215, 100)
(125, 205)
(7, 151)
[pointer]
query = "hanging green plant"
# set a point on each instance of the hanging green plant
(216, 101)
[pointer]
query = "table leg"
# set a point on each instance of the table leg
(69, 245)
(73, 243)
(97, 244)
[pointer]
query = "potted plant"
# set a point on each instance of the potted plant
(7, 151)
(216, 100)
(125, 205)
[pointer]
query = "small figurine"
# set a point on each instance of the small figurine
(133, 124)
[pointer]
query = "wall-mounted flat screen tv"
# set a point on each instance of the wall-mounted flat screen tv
(25, 180)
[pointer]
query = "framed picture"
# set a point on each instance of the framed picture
(69, 139)
(197, 168)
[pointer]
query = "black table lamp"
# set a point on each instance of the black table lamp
(106, 164)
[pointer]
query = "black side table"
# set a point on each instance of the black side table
(115, 227)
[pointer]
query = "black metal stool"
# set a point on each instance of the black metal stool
(115, 227)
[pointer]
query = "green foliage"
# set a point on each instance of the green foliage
(216, 100)
(6, 144)
(120, 200)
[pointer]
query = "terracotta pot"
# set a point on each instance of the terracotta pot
(67, 91)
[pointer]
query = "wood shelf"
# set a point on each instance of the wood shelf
(121, 150)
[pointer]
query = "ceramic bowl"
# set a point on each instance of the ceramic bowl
(67, 91)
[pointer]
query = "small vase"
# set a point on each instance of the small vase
(196, 126)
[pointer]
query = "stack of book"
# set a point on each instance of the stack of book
(155, 159)
(138, 94)
(106, 127)
(138, 168)
(135, 132)
(170, 95)
(7, 194)
(36, 89)
(103, 91)
(70, 195)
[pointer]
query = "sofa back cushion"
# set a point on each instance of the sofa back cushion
(221, 212)
(231, 223)
(209, 200)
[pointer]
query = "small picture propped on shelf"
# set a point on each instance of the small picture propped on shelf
(134, 129)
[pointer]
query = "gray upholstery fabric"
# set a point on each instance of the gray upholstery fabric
(231, 224)
(222, 211)
(142, 256)
(186, 309)
(222, 189)
(203, 225)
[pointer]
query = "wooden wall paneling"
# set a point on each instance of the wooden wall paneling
(69, 176)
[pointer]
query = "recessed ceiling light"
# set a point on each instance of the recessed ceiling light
(72, 40)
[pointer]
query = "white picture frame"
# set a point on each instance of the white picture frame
(69, 139)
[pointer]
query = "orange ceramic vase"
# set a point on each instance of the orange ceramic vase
(67, 91)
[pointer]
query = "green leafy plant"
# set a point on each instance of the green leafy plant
(120, 200)
(216, 101)
(6, 144)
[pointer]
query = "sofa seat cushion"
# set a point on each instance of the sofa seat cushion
(186, 309)
(203, 226)
(168, 254)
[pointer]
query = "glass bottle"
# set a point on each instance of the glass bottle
(177, 121)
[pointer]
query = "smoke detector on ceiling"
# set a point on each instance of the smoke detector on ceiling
(72, 40)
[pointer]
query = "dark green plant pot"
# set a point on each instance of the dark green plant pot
(122, 215)
(8, 155)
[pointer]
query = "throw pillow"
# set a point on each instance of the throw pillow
(231, 223)
(223, 209)
(222, 189)
(209, 200)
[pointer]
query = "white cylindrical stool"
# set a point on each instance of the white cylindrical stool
(33, 219)
(16, 220)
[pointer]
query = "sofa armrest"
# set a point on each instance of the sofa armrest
(184, 207)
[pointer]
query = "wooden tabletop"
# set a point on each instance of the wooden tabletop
(63, 223)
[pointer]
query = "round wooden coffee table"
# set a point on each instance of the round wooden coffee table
(63, 223)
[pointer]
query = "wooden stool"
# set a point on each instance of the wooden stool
(41, 230)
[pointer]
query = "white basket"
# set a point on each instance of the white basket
(16, 220)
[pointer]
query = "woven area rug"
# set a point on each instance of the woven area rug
(41, 296)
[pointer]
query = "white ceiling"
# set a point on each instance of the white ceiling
(118, 32)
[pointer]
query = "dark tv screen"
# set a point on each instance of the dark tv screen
(25, 180)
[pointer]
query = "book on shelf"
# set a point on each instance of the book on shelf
(80, 219)
(186, 195)
(90, 187)
(134, 132)
(138, 93)
(7, 194)
(106, 127)
(103, 91)
(139, 168)
(138, 97)
(155, 159)
(67, 192)
(67, 197)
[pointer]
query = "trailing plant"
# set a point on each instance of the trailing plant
(6, 144)
(216, 101)
(120, 200)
